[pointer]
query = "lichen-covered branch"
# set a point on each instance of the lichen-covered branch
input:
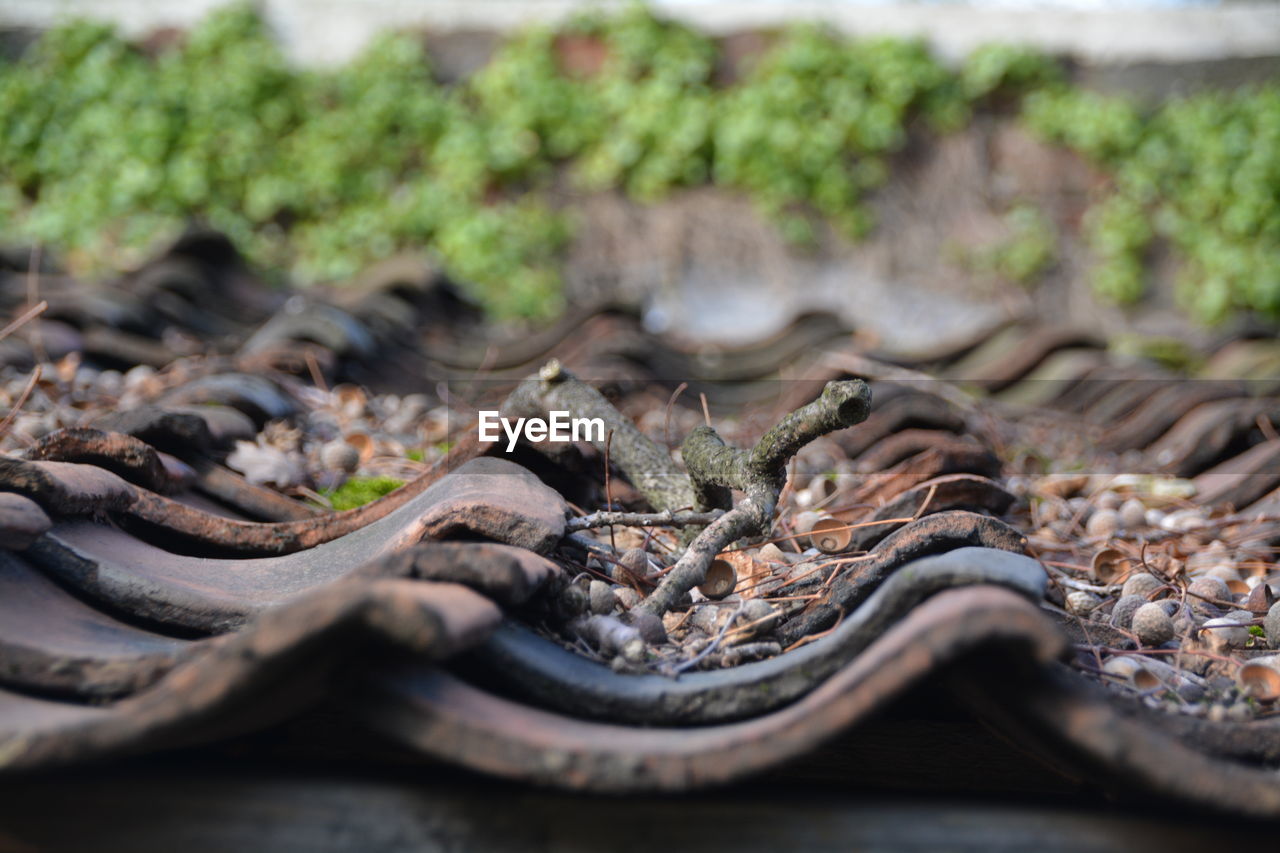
(842, 404)
(667, 518)
(760, 473)
(750, 516)
(648, 466)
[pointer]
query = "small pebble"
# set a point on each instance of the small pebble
(1152, 625)
(1213, 554)
(1187, 621)
(1272, 626)
(1133, 514)
(1227, 631)
(1239, 712)
(573, 601)
(1183, 520)
(804, 521)
(771, 553)
(34, 426)
(1223, 572)
(1122, 613)
(1107, 500)
(1141, 583)
(1048, 511)
(632, 566)
(1104, 522)
(757, 610)
(339, 456)
(706, 619)
(1081, 602)
(601, 598)
(650, 627)
(1210, 588)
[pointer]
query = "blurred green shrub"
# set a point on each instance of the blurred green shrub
(1028, 251)
(106, 151)
(1201, 173)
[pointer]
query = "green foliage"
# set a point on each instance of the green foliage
(1201, 173)
(1030, 249)
(359, 491)
(1001, 69)
(813, 124)
(105, 151)
(1173, 353)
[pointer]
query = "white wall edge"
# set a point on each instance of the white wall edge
(325, 32)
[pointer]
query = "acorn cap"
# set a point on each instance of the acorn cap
(822, 488)
(1111, 566)
(1260, 599)
(1133, 670)
(1260, 679)
(830, 535)
(362, 442)
(721, 580)
(1237, 587)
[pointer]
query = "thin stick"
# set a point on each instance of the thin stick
(33, 294)
(608, 493)
(752, 624)
(1062, 565)
(27, 316)
(811, 637)
(790, 536)
(706, 413)
(22, 400)
(313, 367)
(928, 499)
(1267, 428)
(313, 495)
(666, 426)
(1211, 656)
